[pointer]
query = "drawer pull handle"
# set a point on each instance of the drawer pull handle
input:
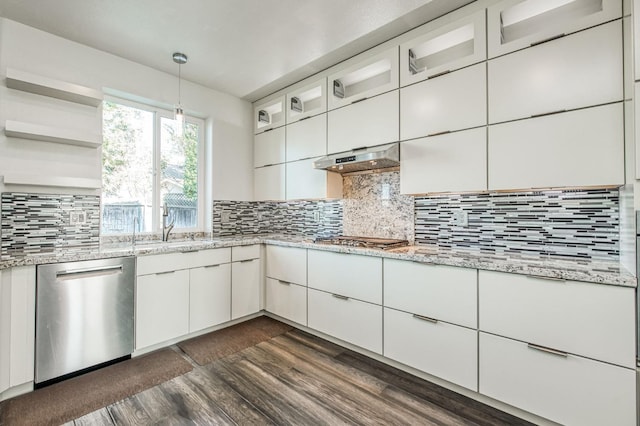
(548, 113)
(305, 118)
(427, 319)
(212, 266)
(190, 251)
(538, 277)
(547, 350)
(284, 282)
(268, 130)
(165, 272)
(535, 43)
(359, 100)
(439, 74)
(439, 133)
(339, 296)
(247, 260)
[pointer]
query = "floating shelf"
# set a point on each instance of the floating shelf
(45, 86)
(37, 132)
(49, 181)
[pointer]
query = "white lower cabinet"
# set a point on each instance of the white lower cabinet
(287, 264)
(354, 321)
(287, 300)
(452, 162)
(443, 350)
(245, 287)
(571, 149)
(209, 296)
(162, 307)
(566, 389)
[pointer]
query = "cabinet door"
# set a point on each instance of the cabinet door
(349, 275)
(307, 101)
(239, 253)
(269, 147)
(245, 287)
(450, 102)
(269, 114)
(162, 307)
(353, 321)
(209, 296)
(592, 320)
(371, 122)
(443, 49)
(443, 350)
(453, 162)
(269, 183)
(566, 389)
(577, 148)
(576, 71)
(287, 300)
(307, 138)
(287, 264)
(516, 24)
(305, 182)
(441, 292)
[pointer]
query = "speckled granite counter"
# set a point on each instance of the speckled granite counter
(611, 273)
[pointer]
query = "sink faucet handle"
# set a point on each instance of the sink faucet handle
(165, 209)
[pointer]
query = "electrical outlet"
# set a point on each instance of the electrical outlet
(260, 216)
(460, 218)
(77, 218)
(316, 216)
(225, 217)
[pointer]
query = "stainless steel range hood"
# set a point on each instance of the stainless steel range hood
(357, 160)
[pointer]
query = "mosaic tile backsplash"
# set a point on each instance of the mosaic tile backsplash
(303, 218)
(40, 223)
(576, 223)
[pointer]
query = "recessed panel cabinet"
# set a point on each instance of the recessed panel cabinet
(571, 149)
(451, 162)
(450, 102)
(373, 121)
(580, 70)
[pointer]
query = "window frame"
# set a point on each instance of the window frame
(158, 114)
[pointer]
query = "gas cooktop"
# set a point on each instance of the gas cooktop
(365, 242)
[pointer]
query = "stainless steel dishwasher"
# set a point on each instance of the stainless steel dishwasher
(84, 315)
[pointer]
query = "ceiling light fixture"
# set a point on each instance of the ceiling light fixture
(180, 59)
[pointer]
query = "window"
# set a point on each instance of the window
(145, 165)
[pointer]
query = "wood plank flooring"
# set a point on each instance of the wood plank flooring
(297, 379)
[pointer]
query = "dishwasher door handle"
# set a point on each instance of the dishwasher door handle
(89, 272)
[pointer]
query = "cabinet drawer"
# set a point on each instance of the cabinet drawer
(591, 320)
(268, 183)
(245, 288)
(576, 71)
(287, 264)
(442, 292)
(454, 162)
(307, 138)
(158, 263)
(208, 257)
(450, 102)
(371, 122)
(351, 320)
(209, 296)
(269, 147)
(349, 275)
(287, 300)
(577, 148)
(443, 350)
(569, 390)
(239, 253)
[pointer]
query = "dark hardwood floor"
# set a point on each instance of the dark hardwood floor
(297, 379)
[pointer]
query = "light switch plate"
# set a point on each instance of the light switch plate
(77, 218)
(225, 217)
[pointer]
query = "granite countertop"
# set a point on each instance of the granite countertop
(578, 269)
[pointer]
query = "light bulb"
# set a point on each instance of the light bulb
(179, 117)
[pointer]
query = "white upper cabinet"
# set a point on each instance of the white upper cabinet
(307, 138)
(571, 149)
(516, 24)
(451, 102)
(307, 101)
(269, 183)
(576, 71)
(269, 147)
(269, 115)
(372, 122)
(304, 182)
(369, 77)
(443, 49)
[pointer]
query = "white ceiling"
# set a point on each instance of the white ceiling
(248, 48)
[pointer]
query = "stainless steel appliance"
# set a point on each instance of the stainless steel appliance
(357, 160)
(84, 315)
(365, 242)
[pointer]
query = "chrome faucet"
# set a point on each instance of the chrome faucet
(166, 229)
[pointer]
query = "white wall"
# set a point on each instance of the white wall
(229, 125)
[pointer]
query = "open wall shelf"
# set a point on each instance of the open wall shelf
(51, 181)
(37, 132)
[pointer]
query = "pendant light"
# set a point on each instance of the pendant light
(180, 59)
